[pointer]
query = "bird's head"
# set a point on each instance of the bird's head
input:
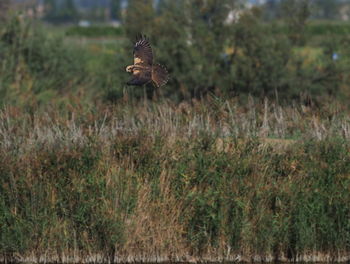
(129, 69)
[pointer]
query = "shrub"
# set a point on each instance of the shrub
(36, 66)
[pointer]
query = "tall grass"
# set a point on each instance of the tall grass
(204, 181)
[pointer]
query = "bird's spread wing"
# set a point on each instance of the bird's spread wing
(160, 75)
(143, 53)
(140, 77)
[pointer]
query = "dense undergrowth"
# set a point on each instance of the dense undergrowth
(157, 181)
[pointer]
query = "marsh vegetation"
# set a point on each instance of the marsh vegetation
(244, 155)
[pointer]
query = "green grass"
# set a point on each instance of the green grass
(316, 28)
(326, 27)
(94, 31)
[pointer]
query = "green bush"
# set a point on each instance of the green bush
(323, 28)
(36, 66)
(206, 54)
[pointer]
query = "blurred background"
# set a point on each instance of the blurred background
(68, 51)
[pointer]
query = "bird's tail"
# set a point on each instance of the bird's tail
(160, 75)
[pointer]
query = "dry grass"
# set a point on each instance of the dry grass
(154, 182)
(187, 120)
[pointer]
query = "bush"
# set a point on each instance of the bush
(36, 66)
(206, 54)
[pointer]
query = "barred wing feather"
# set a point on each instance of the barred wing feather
(143, 54)
(160, 75)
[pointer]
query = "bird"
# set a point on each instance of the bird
(143, 70)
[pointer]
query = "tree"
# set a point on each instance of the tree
(296, 13)
(68, 11)
(328, 9)
(139, 18)
(4, 7)
(271, 9)
(210, 34)
(115, 8)
(161, 5)
(50, 9)
(191, 39)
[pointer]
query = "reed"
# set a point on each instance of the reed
(207, 180)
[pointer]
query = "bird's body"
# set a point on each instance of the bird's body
(143, 70)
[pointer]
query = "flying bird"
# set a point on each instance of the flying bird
(144, 71)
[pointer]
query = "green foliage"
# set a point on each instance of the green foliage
(296, 13)
(34, 64)
(40, 68)
(160, 6)
(116, 10)
(94, 31)
(4, 9)
(194, 35)
(326, 9)
(323, 29)
(259, 61)
(139, 18)
(206, 53)
(66, 12)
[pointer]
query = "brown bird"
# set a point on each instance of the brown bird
(144, 71)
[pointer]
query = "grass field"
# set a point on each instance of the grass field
(155, 181)
(94, 171)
